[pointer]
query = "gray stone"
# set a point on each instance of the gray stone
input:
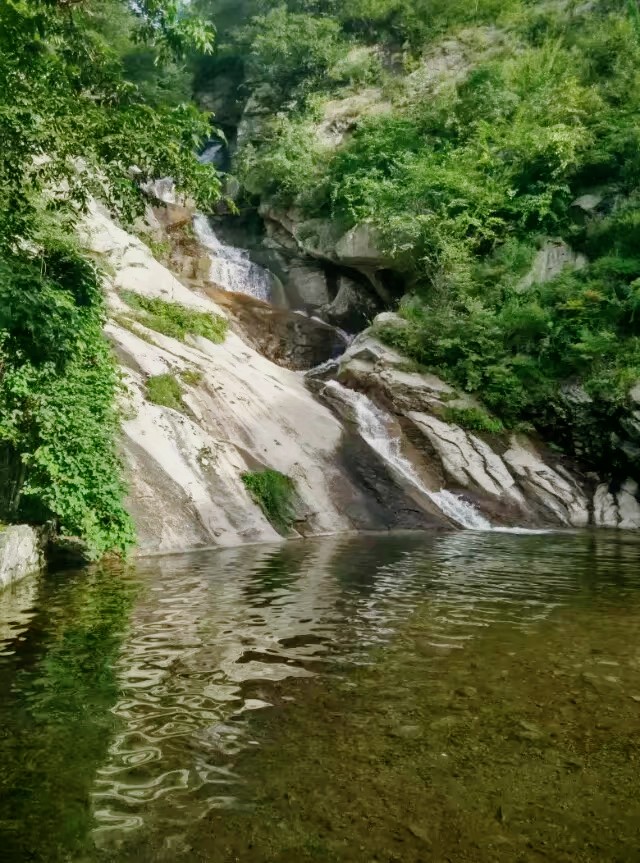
(550, 261)
(307, 283)
(20, 553)
(361, 247)
(605, 507)
(588, 203)
(628, 506)
(353, 306)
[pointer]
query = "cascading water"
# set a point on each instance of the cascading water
(231, 268)
(374, 426)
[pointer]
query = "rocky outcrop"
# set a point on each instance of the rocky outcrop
(240, 412)
(340, 116)
(554, 257)
(295, 341)
(510, 478)
(358, 249)
(619, 509)
(21, 553)
(353, 308)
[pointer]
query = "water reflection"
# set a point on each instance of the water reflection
(153, 715)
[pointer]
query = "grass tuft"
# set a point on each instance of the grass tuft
(175, 320)
(165, 390)
(274, 493)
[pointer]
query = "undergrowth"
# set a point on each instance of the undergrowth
(275, 494)
(175, 320)
(473, 419)
(165, 390)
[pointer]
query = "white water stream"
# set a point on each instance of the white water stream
(375, 427)
(231, 268)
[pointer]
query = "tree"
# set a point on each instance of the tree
(71, 127)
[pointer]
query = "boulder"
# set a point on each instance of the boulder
(307, 286)
(361, 247)
(551, 260)
(21, 552)
(619, 509)
(353, 307)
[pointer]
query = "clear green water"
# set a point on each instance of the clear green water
(468, 697)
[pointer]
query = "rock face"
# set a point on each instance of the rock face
(551, 260)
(295, 341)
(241, 412)
(21, 553)
(245, 407)
(509, 478)
(620, 508)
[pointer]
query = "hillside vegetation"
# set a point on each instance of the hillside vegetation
(494, 118)
(90, 105)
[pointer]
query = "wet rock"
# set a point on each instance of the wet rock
(293, 340)
(353, 307)
(307, 286)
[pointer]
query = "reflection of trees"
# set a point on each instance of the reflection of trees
(55, 715)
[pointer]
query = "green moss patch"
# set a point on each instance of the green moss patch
(165, 390)
(191, 376)
(176, 320)
(275, 494)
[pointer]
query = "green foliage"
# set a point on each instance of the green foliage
(57, 388)
(291, 52)
(192, 377)
(176, 320)
(77, 120)
(473, 419)
(465, 176)
(165, 390)
(275, 494)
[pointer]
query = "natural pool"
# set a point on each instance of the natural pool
(462, 697)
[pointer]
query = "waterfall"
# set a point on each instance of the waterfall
(231, 268)
(374, 425)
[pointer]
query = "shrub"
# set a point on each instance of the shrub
(473, 419)
(275, 494)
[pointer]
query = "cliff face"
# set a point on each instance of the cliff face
(239, 412)
(470, 166)
(234, 412)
